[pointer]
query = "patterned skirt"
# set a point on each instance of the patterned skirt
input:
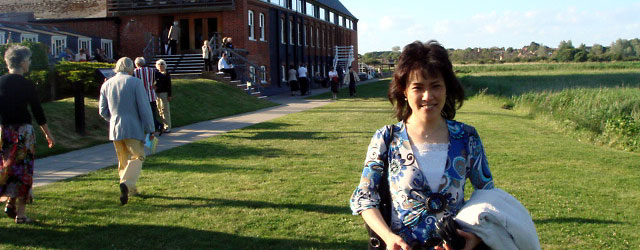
(16, 164)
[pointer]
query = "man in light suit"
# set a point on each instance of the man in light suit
(124, 103)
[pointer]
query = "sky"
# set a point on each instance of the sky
(461, 24)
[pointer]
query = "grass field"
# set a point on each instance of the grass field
(285, 184)
(193, 101)
(597, 102)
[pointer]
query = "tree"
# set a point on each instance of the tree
(565, 52)
(596, 53)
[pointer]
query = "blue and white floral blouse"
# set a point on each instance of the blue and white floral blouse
(409, 188)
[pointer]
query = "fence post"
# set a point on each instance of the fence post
(78, 98)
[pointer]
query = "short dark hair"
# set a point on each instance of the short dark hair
(431, 59)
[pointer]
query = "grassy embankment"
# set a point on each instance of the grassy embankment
(193, 101)
(285, 184)
(598, 102)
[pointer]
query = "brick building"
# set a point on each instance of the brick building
(275, 33)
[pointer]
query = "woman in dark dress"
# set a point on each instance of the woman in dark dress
(17, 135)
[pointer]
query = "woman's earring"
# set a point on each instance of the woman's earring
(405, 98)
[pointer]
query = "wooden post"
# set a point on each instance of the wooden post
(78, 89)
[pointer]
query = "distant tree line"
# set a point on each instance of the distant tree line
(620, 50)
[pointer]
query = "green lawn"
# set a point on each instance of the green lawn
(285, 184)
(194, 100)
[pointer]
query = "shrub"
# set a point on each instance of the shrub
(68, 73)
(41, 79)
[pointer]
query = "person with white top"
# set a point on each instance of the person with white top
(334, 82)
(207, 53)
(427, 156)
(226, 67)
(303, 80)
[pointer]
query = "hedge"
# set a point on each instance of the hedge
(66, 73)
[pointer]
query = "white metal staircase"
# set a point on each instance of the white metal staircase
(344, 57)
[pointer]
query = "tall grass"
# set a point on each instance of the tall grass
(480, 68)
(596, 100)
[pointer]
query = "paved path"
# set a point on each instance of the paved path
(83, 161)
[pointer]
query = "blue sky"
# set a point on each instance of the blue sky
(488, 23)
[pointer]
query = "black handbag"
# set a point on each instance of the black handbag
(375, 241)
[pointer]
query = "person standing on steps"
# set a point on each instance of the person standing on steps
(124, 103)
(17, 138)
(174, 38)
(207, 56)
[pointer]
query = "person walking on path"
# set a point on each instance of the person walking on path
(124, 102)
(351, 79)
(148, 77)
(303, 80)
(334, 81)
(293, 79)
(226, 67)
(17, 138)
(174, 38)
(163, 89)
(207, 55)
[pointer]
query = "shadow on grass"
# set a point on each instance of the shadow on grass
(117, 236)
(576, 220)
(214, 202)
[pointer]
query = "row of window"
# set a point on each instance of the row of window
(319, 38)
(260, 25)
(58, 43)
(316, 11)
(263, 74)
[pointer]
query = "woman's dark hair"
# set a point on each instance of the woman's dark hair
(430, 59)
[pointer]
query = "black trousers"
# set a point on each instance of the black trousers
(304, 85)
(173, 46)
(156, 116)
(207, 65)
(352, 89)
(231, 72)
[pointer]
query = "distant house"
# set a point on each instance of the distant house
(57, 39)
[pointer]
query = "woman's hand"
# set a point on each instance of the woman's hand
(471, 241)
(395, 242)
(50, 140)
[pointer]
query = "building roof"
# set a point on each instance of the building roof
(36, 28)
(336, 5)
(56, 9)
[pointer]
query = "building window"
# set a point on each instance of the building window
(282, 31)
(340, 21)
(304, 30)
(85, 43)
(310, 9)
(107, 47)
(58, 44)
(321, 13)
(263, 74)
(298, 29)
(251, 32)
(311, 35)
(2, 38)
(332, 17)
(299, 6)
(283, 72)
(29, 37)
(261, 23)
(318, 37)
(282, 3)
(290, 32)
(252, 74)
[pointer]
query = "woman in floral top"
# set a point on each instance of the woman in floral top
(430, 155)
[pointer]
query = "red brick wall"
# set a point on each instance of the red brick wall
(258, 50)
(132, 34)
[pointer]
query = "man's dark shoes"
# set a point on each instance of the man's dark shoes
(124, 194)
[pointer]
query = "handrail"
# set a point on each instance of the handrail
(235, 54)
(149, 51)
